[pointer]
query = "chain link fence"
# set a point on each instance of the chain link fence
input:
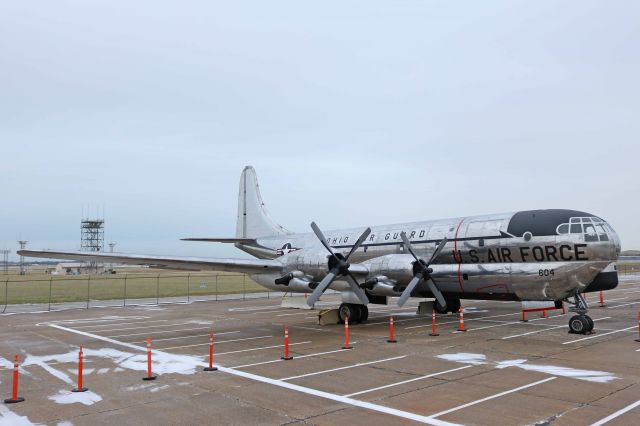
(25, 293)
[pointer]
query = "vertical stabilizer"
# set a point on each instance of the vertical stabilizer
(253, 219)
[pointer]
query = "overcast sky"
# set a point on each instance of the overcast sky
(353, 113)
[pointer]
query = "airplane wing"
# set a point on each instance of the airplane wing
(223, 240)
(192, 263)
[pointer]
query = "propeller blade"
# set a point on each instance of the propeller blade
(322, 238)
(356, 289)
(324, 284)
(358, 243)
(438, 250)
(436, 292)
(407, 291)
(408, 245)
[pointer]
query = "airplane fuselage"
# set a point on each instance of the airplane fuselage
(528, 255)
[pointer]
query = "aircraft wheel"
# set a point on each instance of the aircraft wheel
(453, 306)
(578, 324)
(364, 313)
(591, 324)
(349, 310)
(439, 308)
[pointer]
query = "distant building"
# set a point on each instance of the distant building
(77, 268)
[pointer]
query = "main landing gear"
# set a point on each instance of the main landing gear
(453, 306)
(580, 323)
(355, 312)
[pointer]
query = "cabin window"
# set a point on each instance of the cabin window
(563, 229)
(481, 242)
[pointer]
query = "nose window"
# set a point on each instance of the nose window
(593, 228)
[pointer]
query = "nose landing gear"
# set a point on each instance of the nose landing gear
(580, 323)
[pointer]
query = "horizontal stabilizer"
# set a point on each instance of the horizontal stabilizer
(223, 240)
(192, 263)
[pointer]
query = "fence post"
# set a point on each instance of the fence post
(188, 286)
(88, 291)
(50, 280)
(124, 296)
(158, 289)
(244, 286)
(216, 287)
(6, 295)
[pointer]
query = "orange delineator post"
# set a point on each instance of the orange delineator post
(601, 299)
(80, 388)
(14, 392)
(286, 356)
(433, 323)
(638, 339)
(524, 316)
(392, 338)
(210, 367)
(346, 334)
(150, 375)
(461, 327)
(544, 313)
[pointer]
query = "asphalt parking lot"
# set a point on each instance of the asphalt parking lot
(501, 371)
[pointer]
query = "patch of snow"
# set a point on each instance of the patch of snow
(64, 423)
(68, 397)
(9, 418)
(159, 388)
(465, 358)
(103, 370)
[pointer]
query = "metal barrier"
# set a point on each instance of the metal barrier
(28, 293)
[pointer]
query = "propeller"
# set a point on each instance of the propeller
(338, 266)
(422, 272)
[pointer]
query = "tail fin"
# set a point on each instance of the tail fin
(253, 219)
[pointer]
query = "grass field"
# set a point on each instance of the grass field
(44, 288)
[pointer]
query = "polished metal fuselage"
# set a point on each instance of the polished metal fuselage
(483, 258)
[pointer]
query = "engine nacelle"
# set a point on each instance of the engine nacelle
(395, 268)
(313, 263)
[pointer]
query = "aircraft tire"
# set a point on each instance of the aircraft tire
(578, 324)
(364, 313)
(453, 306)
(439, 308)
(591, 323)
(349, 310)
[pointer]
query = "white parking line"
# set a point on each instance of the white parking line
(469, 404)
(625, 304)
(99, 319)
(296, 313)
(217, 343)
(296, 357)
(360, 364)
(137, 328)
(162, 331)
(279, 383)
(408, 381)
(598, 335)
(617, 414)
(259, 349)
(547, 329)
(466, 319)
(254, 308)
(193, 335)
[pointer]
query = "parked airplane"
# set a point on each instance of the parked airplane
(534, 255)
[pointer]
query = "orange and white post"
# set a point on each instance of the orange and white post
(638, 339)
(433, 323)
(211, 367)
(80, 388)
(602, 305)
(461, 326)
(346, 334)
(286, 356)
(14, 391)
(150, 375)
(392, 337)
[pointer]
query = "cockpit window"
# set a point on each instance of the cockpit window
(593, 228)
